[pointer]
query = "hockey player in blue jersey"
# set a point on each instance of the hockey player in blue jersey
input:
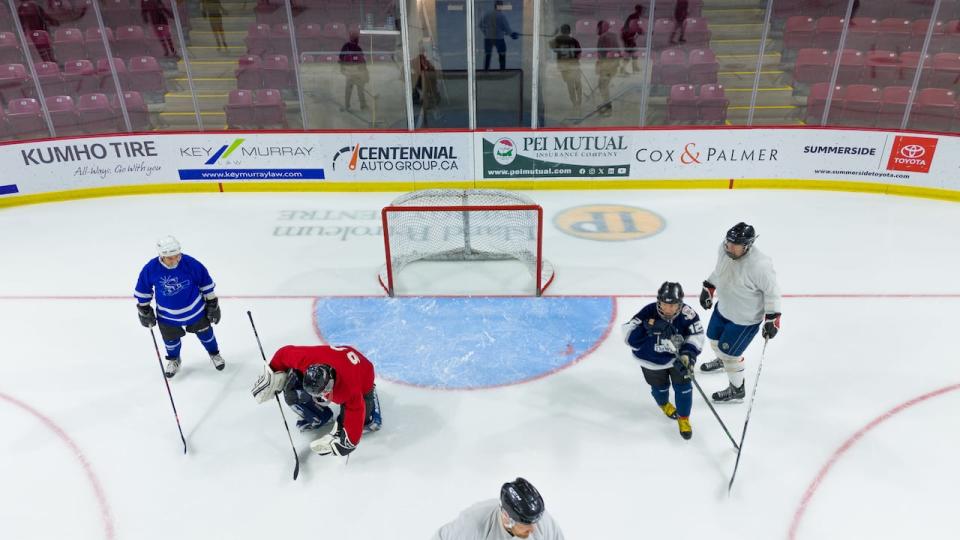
(185, 302)
(666, 337)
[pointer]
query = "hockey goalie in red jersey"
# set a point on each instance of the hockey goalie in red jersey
(310, 378)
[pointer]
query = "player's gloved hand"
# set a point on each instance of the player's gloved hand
(685, 364)
(213, 310)
(771, 325)
(514, 35)
(335, 442)
(268, 384)
(147, 317)
(706, 295)
(656, 325)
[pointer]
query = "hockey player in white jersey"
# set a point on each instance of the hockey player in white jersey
(518, 514)
(747, 295)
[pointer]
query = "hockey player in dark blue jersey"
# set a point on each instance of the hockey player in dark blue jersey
(666, 337)
(185, 302)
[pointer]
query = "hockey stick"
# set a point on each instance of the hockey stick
(753, 395)
(169, 393)
(714, 411)
(296, 457)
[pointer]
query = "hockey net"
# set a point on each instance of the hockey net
(463, 225)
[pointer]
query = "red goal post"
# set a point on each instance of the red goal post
(463, 225)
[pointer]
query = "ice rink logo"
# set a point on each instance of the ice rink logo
(609, 222)
(912, 154)
(504, 151)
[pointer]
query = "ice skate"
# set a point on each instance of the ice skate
(218, 361)
(685, 430)
(171, 367)
(730, 394)
(712, 366)
(669, 410)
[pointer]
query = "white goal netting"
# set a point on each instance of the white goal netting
(463, 225)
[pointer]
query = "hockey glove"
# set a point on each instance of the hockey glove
(147, 317)
(268, 384)
(685, 364)
(336, 442)
(656, 325)
(213, 310)
(706, 295)
(771, 326)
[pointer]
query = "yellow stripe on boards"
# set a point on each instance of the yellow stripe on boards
(88, 193)
(518, 185)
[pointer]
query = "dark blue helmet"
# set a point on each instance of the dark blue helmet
(521, 501)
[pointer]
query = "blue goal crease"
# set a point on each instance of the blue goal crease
(466, 342)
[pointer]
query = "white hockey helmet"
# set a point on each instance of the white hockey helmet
(168, 246)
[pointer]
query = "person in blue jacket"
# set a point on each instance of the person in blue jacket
(666, 337)
(185, 302)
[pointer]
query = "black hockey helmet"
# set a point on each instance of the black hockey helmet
(669, 293)
(318, 379)
(521, 501)
(742, 234)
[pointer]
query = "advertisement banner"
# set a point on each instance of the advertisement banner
(716, 154)
(627, 157)
(223, 158)
(518, 155)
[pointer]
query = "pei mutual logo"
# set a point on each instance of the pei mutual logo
(912, 154)
(504, 151)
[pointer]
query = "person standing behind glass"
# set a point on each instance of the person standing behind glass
(680, 18)
(631, 29)
(213, 11)
(568, 62)
(354, 67)
(495, 27)
(156, 14)
(608, 62)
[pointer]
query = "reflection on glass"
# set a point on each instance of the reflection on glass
(594, 61)
(502, 61)
(438, 63)
(235, 67)
(877, 66)
(350, 65)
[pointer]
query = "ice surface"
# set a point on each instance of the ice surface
(83, 406)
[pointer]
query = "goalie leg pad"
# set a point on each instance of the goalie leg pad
(372, 405)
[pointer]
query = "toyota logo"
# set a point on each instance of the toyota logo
(913, 151)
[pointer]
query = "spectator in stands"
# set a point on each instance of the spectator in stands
(156, 14)
(353, 65)
(426, 91)
(33, 17)
(567, 49)
(608, 63)
(495, 28)
(629, 33)
(213, 11)
(680, 16)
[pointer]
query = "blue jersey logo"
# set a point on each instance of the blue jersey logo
(171, 285)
